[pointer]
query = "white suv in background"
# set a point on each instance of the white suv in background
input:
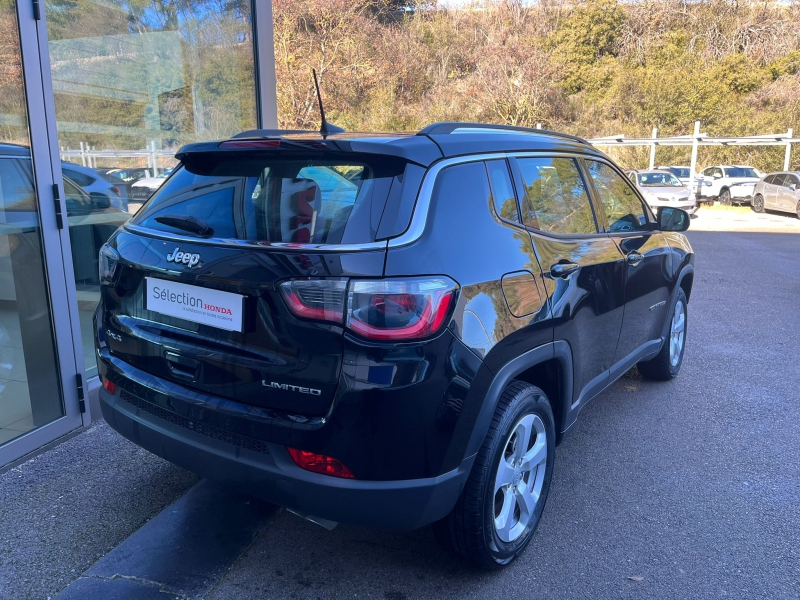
(732, 184)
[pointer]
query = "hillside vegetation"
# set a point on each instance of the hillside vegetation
(593, 68)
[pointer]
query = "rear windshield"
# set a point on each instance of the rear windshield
(679, 172)
(303, 201)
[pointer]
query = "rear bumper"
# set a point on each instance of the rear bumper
(265, 469)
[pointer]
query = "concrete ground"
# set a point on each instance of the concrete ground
(685, 489)
(742, 218)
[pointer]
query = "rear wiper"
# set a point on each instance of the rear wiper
(187, 223)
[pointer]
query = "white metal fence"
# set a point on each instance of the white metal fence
(88, 155)
(702, 139)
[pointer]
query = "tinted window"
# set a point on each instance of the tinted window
(555, 199)
(680, 172)
(741, 172)
(214, 205)
(505, 201)
(79, 178)
(267, 199)
(769, 178)
(778, 179)
(791, 180)
(624, 210)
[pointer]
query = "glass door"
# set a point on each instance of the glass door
(38, 391)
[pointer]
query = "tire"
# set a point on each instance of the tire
(758, 203)
(666, 364)
(797, 210)
(471, 530)
(725, 197)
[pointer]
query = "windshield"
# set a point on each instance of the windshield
(278, 201)
(741, 172)
(658, 180)
(680, 172)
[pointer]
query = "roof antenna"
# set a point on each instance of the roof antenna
(325, 128)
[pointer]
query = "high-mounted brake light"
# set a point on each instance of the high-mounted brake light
(109, 259)
(319, 463)
(244, 144)
(386, 309)
(399, 309)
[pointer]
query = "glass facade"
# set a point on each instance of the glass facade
(133, 81)
(30, 394)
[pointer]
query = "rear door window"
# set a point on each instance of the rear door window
(278, 201)
(555, 198)
(505, 200)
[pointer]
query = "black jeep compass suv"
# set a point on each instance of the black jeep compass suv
(390, 330)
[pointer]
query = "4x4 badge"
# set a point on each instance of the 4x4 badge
(183, 258)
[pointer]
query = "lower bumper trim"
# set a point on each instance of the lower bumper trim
(268, 472)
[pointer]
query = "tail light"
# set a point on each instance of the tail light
(387, 309)
(109, 259)
(320, 299)
(319, 463)
(399, 309)
(115, 189)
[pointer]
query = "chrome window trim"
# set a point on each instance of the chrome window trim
(285, 246)
(419, 217)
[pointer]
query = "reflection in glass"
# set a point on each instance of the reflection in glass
(133, 82)
(555, 197)
(29, 388)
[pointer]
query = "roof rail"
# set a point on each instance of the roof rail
(263, 133)
(447, 127)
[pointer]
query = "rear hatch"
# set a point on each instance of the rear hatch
(195, 296)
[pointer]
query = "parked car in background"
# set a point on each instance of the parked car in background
(96, 183)
(684, 175)
(662, 188)
(90, 217)
(731, 184)
(144, 188)
(127, 175)
(778, 191)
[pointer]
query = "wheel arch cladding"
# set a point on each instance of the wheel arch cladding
(548, 367)
(686, 283)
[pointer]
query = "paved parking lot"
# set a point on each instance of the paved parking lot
(692, 485)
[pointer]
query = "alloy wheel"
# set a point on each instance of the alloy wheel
(519, 479)
(677, 333)
(758, 203)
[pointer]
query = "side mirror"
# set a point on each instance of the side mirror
(673, 219)
(100, 201)
(717, 176)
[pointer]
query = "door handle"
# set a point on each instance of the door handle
(634, 258)
(563, 269)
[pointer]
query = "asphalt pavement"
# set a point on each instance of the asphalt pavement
(684, 489)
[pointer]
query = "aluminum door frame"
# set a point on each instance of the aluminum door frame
(56, 247)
